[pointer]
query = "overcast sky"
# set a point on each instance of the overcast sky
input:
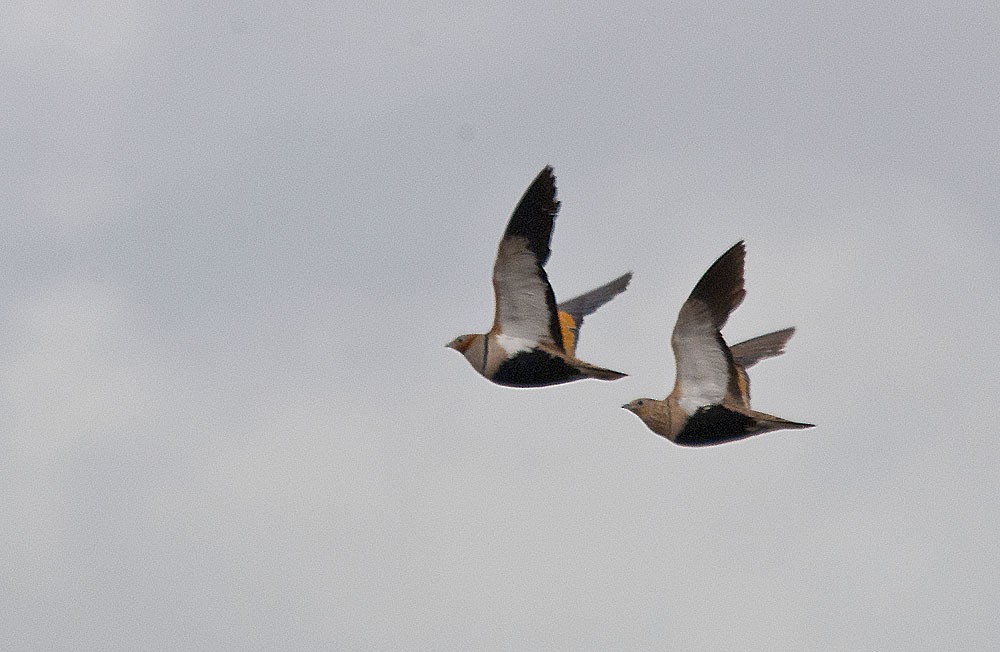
(236, 239)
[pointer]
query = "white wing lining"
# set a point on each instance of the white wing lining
(522, 304)
(702, 367)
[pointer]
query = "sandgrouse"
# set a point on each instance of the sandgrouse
(710, 402)
(533, 340)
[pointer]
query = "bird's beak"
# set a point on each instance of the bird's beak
(627, 407)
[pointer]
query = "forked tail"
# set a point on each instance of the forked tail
(600, 373)
(768, 422)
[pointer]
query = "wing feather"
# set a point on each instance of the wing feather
(702, 363)
(525, 302)
(705, 369)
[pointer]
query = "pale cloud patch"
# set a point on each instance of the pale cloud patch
(76, 374)
(69, 202)
(76, 34)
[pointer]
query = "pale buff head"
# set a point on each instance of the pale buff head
(656, 415)
(641, 407)
(473, 347)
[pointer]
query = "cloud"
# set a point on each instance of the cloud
(79, 36)
(78, 377)
(241, 235)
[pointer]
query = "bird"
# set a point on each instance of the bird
(710, 401)
(533, 339)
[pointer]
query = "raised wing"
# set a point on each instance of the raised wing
(750, 352)
(705, 370)
(525, 303)
(574, 310)
(747, 354)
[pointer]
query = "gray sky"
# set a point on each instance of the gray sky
(237, 238)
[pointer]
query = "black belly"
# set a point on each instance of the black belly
(534, 369)
(715, 424)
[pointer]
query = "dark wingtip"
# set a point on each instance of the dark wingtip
(721, 287)
(535, 214)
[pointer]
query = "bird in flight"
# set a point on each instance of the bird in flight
(710, 402)
(533, 340)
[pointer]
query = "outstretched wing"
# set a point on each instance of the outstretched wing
(705, 370)
(748, 353)
(572, 311)
(525, 303)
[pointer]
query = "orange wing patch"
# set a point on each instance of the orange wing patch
(743, 383)
(567, 326)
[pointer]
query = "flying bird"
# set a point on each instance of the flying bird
(710, 402)
(533, 340)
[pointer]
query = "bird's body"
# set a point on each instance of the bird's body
(533, 340)
(710, 401)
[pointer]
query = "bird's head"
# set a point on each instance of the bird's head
(473, 347)
(462, 342)
(640, 407)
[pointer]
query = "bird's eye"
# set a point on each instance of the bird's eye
(640, 402)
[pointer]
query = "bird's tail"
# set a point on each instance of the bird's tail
(574, 310)
(600, 373)
(747, 354)
(768, 422)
